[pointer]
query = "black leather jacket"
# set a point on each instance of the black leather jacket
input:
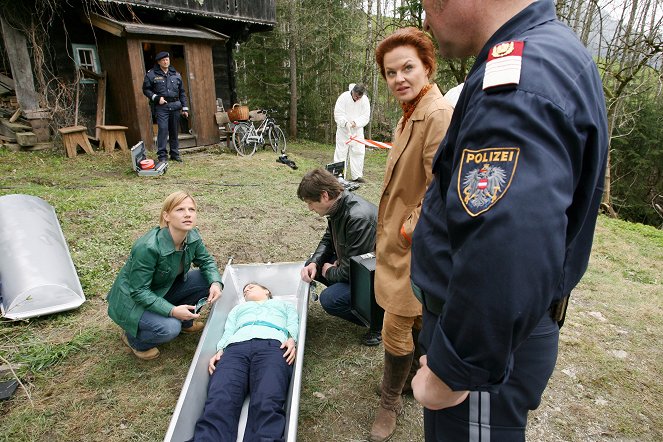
(351, 226)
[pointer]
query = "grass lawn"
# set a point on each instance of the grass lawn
(82, 384)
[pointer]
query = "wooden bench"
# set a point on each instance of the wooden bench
(74, 136)
(109, 136)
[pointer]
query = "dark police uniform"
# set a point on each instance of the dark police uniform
(507, 223)
(170, 86)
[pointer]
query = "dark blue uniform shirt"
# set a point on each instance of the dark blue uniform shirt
(507, 223)
(168, 85)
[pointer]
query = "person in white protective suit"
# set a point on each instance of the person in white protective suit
(453, 94)
(351, 113)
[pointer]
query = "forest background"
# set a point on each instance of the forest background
(319, 47)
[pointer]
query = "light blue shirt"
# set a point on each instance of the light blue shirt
(279, 313)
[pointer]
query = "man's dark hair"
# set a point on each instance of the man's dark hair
(359, 89)
(317, 181)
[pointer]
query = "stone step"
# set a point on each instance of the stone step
(186, 141)
(16, 127)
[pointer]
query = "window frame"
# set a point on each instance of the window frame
(77, 48)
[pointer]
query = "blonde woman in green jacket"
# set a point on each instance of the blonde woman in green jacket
(154, 296)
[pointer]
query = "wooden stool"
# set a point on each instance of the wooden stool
(111, 135)
(74, 136)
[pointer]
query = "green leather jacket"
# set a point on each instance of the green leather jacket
(149, 273)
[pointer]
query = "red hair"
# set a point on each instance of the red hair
(413, 37)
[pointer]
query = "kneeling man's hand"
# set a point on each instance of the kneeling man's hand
(326, 266)
(308, 272)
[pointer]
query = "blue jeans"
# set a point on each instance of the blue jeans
(335, 300)
(154, 329)
(255, 367)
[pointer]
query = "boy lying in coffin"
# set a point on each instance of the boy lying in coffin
(255, 356)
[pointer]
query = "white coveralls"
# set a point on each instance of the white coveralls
(453, 94)
(346, 112)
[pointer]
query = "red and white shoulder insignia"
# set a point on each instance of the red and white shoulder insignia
(503, 65)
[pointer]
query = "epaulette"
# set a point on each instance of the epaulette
(503, 66)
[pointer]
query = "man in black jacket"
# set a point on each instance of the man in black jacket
(164, 87)
(351, 225)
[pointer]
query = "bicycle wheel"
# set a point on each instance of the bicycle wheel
(277, 139)
(240, 140)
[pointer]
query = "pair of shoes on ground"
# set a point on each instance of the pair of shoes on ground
(146, 355)
(359, 180)
(284, 159)
(195, 328)
(372, 338)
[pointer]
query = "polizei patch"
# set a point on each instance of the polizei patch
(484, 177)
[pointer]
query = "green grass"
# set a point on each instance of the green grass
(86, 386)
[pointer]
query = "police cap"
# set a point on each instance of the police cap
(160, 55)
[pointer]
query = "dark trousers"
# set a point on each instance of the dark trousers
(255, 367)
(155, 329)
(486, 417)
(168, 121)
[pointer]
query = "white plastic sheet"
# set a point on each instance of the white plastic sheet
(37, 274)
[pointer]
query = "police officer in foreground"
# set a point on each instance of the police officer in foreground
(164, 87)
(507, 223)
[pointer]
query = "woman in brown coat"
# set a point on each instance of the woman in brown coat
(407, 62)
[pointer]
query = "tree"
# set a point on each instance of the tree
(626, 37)
(637, 161)
(292, 52)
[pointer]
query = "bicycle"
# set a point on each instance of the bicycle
(246, 137)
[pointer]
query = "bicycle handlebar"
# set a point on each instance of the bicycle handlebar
(266, 111)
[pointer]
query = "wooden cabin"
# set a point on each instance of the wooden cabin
(105, 47)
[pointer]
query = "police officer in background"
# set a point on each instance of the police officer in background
(507, 223)
(164, 87)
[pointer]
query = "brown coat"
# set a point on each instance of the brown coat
(407, 175)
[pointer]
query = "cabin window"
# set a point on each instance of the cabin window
(86, 57)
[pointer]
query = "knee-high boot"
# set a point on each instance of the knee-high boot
(396, 369)
(407, 388)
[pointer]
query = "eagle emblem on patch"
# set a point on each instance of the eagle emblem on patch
(485, 176)
(502, 49)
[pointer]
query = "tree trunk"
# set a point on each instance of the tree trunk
(606, 199)
(292, 52)
(369, 42)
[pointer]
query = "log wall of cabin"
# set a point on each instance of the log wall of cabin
(125, 103)
(65, 69)
(221, 74)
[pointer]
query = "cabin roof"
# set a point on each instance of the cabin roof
(264, 13)
(122, 29)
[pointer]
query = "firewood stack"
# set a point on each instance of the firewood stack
(17, 132)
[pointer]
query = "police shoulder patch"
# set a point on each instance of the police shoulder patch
(503, 66)
(485, 176)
